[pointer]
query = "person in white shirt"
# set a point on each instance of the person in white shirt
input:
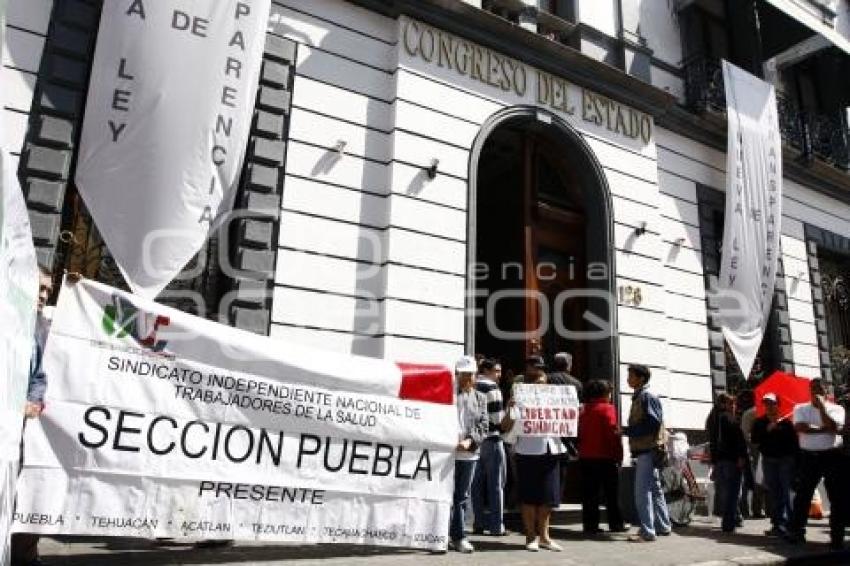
(537, 462)
(818, 425)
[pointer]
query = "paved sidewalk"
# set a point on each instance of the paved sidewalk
(702, 543)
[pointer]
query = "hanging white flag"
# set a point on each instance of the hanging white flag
(753, 213)
(19, 285)
(167, 119)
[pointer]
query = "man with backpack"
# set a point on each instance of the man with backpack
(647, 443)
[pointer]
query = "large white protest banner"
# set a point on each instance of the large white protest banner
(19, 285)
(545, 410)
(166, 125)
(161, 424)
(753, 213)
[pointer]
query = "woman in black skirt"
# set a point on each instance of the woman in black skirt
(538, 475)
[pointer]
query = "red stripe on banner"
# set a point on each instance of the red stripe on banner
(426, 382)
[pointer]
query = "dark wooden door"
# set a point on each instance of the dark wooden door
(555, 265)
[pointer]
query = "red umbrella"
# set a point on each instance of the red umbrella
(788, 388)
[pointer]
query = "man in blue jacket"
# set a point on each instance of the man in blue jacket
(647, 439)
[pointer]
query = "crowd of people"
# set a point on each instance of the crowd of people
(488, 447)
(770, 462)
(773, 461)
(776, 461)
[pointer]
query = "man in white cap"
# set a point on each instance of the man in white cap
(776, 442)
(472, 427)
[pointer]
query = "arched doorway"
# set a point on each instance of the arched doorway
(541, 255)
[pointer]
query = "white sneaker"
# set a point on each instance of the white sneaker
(464, 546)
(551, 545)
(532, 546)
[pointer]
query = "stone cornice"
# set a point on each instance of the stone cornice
(492, 31)
(496, 33)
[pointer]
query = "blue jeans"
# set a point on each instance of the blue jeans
(778, 477)
(649, 499)
(727, 479)
(464, 470)
(489, 486)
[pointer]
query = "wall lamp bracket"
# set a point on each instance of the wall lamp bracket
(339, 148)
(641, 229)
(432, 169)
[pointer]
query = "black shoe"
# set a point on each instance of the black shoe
(591, 533)
(836, 546)
(794, 538)
(774, 532)
(759, 516)
(619, 529)
(477, 530)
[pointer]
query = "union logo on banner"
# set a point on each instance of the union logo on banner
(123, 319)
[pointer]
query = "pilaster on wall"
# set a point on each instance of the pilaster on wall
(778, 331)
(709, 201)
(257, 223)
(55, 120)
(779, 325)
(820, 239)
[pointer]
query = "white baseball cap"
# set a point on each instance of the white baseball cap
(466, 364)
(769, 397)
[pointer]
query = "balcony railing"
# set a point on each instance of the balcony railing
(830, 139)
(704, 85)
(825, 136)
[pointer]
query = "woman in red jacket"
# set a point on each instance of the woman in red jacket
(600, 451)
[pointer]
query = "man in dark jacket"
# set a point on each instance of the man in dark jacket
(728, 456)
(776, 441)
(563, 365)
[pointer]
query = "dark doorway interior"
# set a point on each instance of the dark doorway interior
(531, 243)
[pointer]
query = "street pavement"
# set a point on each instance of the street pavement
(701, 543)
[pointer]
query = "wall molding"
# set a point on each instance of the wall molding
(256, 233)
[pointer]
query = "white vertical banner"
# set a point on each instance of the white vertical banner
(19, 285)
(167, 118)
(753, 213)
